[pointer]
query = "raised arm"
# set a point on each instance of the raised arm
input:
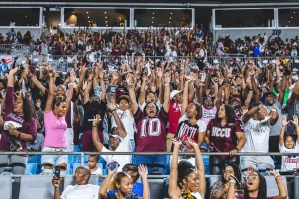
(281, 135)
(87, 88)
(142, 170)
(247, 116)
(281, 188)
(200, 168)
(174, 191)
(104, 187)
(112, 109)
(69, 96)
(50, 97)
(166, 92)
(134, 105)
(81, 78)
(185, 97)
(95, 136)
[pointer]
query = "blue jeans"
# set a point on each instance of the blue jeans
(153, 162)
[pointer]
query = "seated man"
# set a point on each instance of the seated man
(82, 190)
(118, 140)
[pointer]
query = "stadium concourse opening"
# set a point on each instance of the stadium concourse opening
(149, 99)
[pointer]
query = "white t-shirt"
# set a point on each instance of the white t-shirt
(97, 172)
(88, 191)
(128, 122)
(124, 146)
(257, 135)
(289, 162)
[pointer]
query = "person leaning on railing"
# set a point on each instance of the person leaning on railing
(19, 127)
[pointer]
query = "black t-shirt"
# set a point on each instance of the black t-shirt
(90, 112)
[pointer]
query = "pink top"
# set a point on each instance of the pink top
(207, 115)
(55, 131)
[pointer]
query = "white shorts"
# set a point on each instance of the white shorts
(53, 159)
(69, 133)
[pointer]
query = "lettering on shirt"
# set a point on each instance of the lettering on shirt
(176, 107)
(185, 129)
(152, 129)
(261, 128)
(291, 160)
(221, 132)
(16, 118)
(208, 115)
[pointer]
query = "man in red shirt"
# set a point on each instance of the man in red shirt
(175, 109)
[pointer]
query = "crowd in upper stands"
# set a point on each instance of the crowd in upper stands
(130, 101)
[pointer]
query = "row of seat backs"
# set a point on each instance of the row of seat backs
(41, 186)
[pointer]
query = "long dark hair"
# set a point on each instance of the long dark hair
(229, 114)
(27, 109)
(262, 191)
(236, 169)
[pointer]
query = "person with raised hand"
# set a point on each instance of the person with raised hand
(184, 181)
(19, 127)
(256, 187)
(55, 128)
(288, 145)
(118, 139)
(123, 183)
(151, 127)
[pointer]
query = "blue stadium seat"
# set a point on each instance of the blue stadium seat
(31, 169)
(76, 148)
(69, 170)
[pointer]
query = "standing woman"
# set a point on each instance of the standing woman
(15, 139)
(55, 128)
(224, 134)
(184, 181)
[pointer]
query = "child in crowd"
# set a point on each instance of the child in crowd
(288, 145)
(92, 165)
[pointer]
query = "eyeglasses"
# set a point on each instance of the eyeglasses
(229, 171)
(252, 177)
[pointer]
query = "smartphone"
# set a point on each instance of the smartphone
(112, 165)
(57, 172)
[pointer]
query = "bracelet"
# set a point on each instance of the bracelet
(166, 84)
(12, 77)
(94, 126)
(19, 136)
(233, 181)
(277, 175)
(113, 110)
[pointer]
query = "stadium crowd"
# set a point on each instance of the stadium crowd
(179, 102)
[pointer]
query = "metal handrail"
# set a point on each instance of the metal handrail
(148, 153)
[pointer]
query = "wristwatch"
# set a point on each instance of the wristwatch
(236, 149)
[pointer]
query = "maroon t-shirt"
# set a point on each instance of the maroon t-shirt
(224, 137)
(151, 132)
(28, 127)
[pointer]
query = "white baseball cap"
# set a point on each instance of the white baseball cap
(174, 92)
